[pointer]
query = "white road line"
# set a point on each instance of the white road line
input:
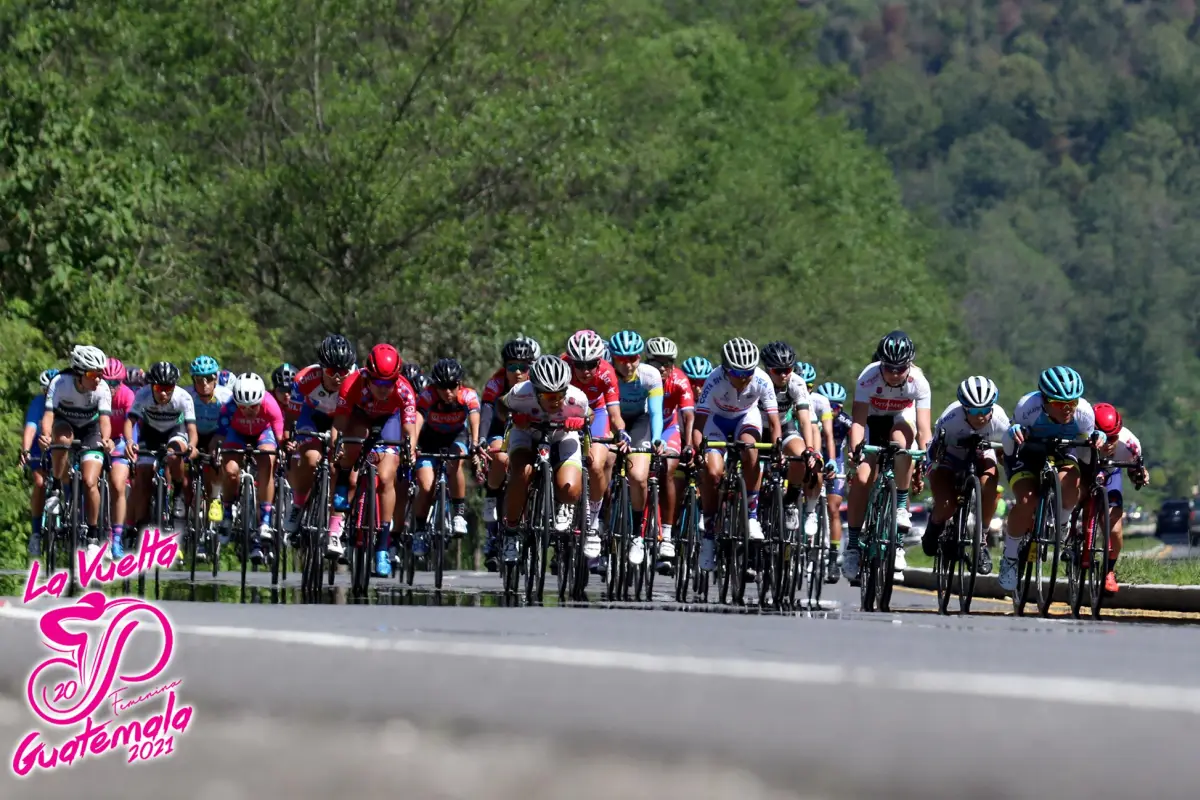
(1076, 691)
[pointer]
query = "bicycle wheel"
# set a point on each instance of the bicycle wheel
(76, 525)
(1048, 545)
(197, 513)
(869, 546)
(684, 544)
(889, 541)
(771, 550)
(51, 523)
(437, 548)
(740, 541)
(246, 509)
(1098, 567)
(546, 531)
(970, 539)
(948, 555)
(1077, 534)
(819, 558)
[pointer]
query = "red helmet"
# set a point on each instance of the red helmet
(1108, 419)
(114, 370)
(384, 363)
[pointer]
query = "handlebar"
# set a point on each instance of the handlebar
(446, 455)
(893, 448)
(738, 446)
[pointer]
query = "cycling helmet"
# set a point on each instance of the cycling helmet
(114, 370)
(1060, 383)
(978, 392)
(85, 358)
(806, 371)
(739, 353)
(834, 392)
(134, 377)
(412, 372)
(224, 377)
(521, 348)
(203, 366)
(778, 355)
(585, 346)
(47, 376)
(336, 352)
(283, 376)
(447, 373)
(662, 348)
(384, 363)
(1108, 420)
(163, 373)
(249, 389)
(626, 344)
(697, 368)
(550, 374)
(897, 350)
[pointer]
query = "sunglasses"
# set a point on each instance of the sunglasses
(778, 370)
(518, 366)
(894, 370)
(113, 384)
(979, 412)
(384, 382)
(93, 373)
(1065, 405)
(551, 395)
(205, 378)
(587, 365)
(338, 373)
(659, 364)
(626, 359)
(738, 373)
(163, 387)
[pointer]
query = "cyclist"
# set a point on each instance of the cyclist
(253, 416)
(377, 396)
(1120, 445)
(792, 404)
(448, 419)
(282, 381)
(208, 400)
(225, 378)
(517, 356)
(820, 441)
(640, 388)
(974, 412)
(135, 378)
(1056, 409)
(79, 406)
(696, 369)
(313, 403)
(835, 393)
(729, 409)
(548, 396)
(118, 470)
(415, 377)
(162, 416)
(597, 379)
(31, 455)
(679, 415)
(891, 403)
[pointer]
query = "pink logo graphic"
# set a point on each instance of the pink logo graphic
(85, 684)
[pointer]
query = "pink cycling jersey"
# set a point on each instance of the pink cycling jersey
(269, 415)
(122, 401)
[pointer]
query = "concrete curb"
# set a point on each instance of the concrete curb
(1147, 597)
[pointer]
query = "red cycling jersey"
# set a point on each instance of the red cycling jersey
(495, 388)
(677, 395)
(356, 396)
(447, 417)
(603, 389)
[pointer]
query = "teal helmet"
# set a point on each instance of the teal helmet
(697, 368)
(203, 366)
(1060, 383)
(833, 392)
(626, 343)
(806, 371)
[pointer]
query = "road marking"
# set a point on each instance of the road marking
(1069, 690)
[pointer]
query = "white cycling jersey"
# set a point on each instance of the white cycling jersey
(819, 408)
(166, 417)
(890, 401)
(1128, 447)
(522, 399)
(721, 399)
(77, 407)
(954, 422)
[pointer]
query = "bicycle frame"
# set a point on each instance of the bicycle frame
(878, 560)
(957, 558)
(733, 546)
(439, 509)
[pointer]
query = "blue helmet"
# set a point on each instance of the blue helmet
(626, 343)
(806, 371)
(697, 368)
(225, 378)
(47, 376)
(833, 392)
(1060, 383)
(203, 366)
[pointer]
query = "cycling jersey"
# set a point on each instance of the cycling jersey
(641, 397)
(677, 396)
(168, 416)
(789, 399)
(1030, 415)
(720, 398)
(495, 387)
(493, 390)
(841, 429)
(356, 396)
(890, 401)
(447, 417)
(78, 406)
(1128, 449)
(122, 403)
(236, 426)
(522, 399)
(819, 409)
(308, 391)
(954, 421)
(601, 390)
(208, 412)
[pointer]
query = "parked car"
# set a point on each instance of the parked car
(1174, 518)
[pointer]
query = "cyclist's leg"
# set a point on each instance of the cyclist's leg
(793, 445)
(670, 486)
(568, 477)
(37, 505)
(62, 433)
(456, 481)
(1022, 469)
(89, 472)
(520, 471)
(715, 429)
(639, 463)
(904, 433)
(266, 481)
(942, 486)
(600, 473)
(226, 489)
(879, 430)
(301, 476)
(423, 474)
(750, 432)
(497, 472)
(1116, 538)
(836, 493)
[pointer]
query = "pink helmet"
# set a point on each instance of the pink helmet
(114, 370)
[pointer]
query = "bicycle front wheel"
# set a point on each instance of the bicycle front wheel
(888, 537)
(1098, 567)
(1077, 534)
(970, 540)
(1048, 543)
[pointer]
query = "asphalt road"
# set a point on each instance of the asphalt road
(418, 695)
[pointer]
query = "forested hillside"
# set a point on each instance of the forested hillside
(1052, 145)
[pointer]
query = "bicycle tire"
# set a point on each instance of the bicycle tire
(529, 549)
(76, 523)
(1073, 545)
(869, 555)
(197, 512)
(684, 544)
(1098, 568)
(1049, 545)
(247, 519)
(773, 550)
(968, 568)
(724, 548)
(741, 541)
(437, 550)
(944, 562)
(653, 539)
(887, 556)
(818, 556)
(583, 518)
(51, 524)
(546, 534)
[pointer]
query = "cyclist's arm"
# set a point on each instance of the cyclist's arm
(688, 423)
(47, 421)
(128, 432)
(473, 426)
(830, 447)
(776, 431)
(924, 428)
(615, 420)
(486, 412)
(655, 404)
(858, 426)
(28, 434)
(193, 436)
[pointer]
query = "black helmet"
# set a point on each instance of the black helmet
(519, 349)
(412, 372)
(283, 375)
(896, 349)
(163, 373)
(778, 355)
(447, 373)
(336, 352)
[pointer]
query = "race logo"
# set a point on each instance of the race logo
(103, 689)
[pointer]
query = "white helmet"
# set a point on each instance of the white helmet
(550, 374)
(85, 358)
(661, 347)
(249, 389)
(978, 391)
(740, 353)
(585, 346)
(537, 348)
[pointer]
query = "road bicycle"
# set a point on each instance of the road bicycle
(816, 553)
(63, 510)
(731, 525)
(687, 537)
(956, 563)
(880, 537)
(363, 518)
(200, 531)
(439, 519)
(244, 524)
(312, 536)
